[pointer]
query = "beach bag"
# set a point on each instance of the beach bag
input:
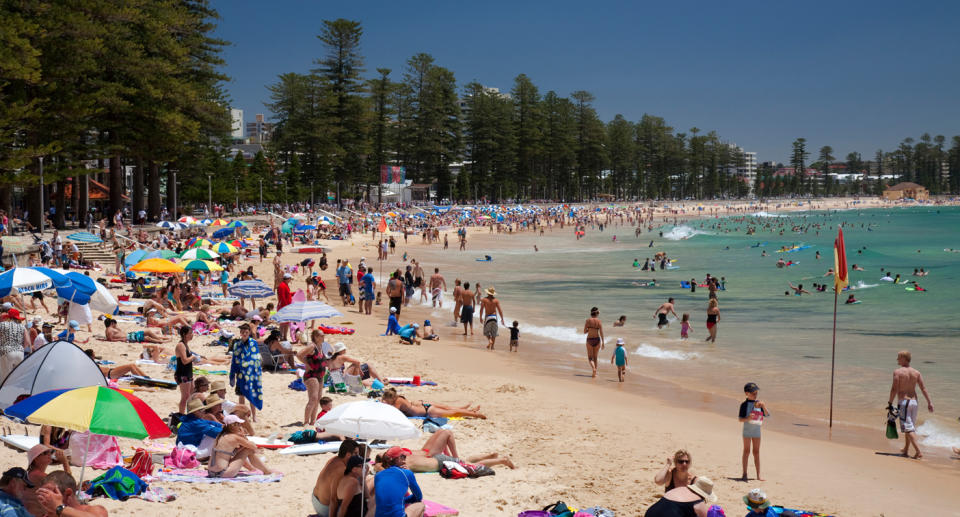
(99, 451)
(892, 415)
(305, 436)
(559, 509)
(118, 484)
(714, 511)
(453, 470)
(174, 422)
(297, 385)
(141, 464)
(181, 458)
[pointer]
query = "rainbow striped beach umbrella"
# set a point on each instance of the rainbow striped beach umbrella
(199, 243)
(97, 409)
(218, 222)
(223, 248)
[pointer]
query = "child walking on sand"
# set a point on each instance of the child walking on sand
(752, 413)
(514, 336)
(620, 358)
(685, 326)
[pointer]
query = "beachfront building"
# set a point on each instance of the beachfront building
(259, 130)
(906, 190)
(236, 125)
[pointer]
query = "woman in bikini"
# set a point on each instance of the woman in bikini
(232, 450)
(421, 408)
(713, 317)
(441, 446)
(351, 366)
(593, 328)
(316, 366)
(203, 316)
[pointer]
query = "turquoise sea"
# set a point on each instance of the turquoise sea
(782, 342)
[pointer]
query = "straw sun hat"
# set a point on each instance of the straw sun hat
(703, 487)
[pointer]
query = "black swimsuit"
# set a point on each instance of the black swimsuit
(184, 372)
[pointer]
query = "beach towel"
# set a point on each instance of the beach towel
(297, 385)
(779, 510)
(434, 509)
(156, 494)
(246, 373)
(200, 476)
(118, 484)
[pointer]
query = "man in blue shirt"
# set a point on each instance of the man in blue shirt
(369, 284)
(193, 428)
(344, 274)
(13, 484)
(393, 484)
(393, 326)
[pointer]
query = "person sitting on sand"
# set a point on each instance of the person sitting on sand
(676, 471)
(441, 447)
(410, 334)
(167, 325)
(58, 496)
(348, 492)
(116, 371)
(237, 312)
(281, 348)
(232, 450)
(421, 408)
(323, 498)
(393, 484)
(428, 333)
(756, 500)
(113, 333)
(697, 497)
(350, 366)
(203, 316)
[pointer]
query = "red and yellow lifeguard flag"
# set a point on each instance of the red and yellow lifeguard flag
(841, 279)
(382, 227)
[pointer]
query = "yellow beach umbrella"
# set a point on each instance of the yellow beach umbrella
(157, 265)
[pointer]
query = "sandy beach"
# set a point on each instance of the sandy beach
(585, 443)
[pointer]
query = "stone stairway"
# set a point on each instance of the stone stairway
(94, 253)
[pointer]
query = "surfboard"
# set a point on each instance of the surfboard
(20, 442)
(307, 449)
(484, 260)
(264, 442)
(150, 381)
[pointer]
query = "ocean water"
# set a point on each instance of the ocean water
(782, 342)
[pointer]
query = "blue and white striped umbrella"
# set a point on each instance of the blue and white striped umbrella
(206, 222)
(84, 237)
(24, 280)
(250, 289)
(167, 225)
(305, 311)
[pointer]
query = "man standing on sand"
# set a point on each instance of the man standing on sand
(905, 382)
(325, 490)
(466, 308)
(489, 308)
(436, 282)
(395, 291)
(662, 312)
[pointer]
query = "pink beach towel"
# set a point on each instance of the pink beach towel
(436, 509)
(103, 453)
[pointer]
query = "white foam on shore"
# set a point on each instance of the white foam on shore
(934, 434)
(766, 214)
(565, 334)
(651, 351)
(861, 285)
(679, 233)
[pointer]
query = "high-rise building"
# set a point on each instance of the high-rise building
(259, 131)
(236, 124)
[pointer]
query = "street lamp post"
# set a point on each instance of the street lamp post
(175, 194)
(41, 195)
(236, 191)
(311, 196)
(261, 193)
(210, 193)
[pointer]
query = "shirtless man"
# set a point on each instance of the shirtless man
(662, 311)
(466, 308)
(418, 279)
(457, 292)
(593, 328)
(113, 333)
(904, 387)
(395, 291)
(489, 308)
(324, 502)
(436, 283)
(798, 289)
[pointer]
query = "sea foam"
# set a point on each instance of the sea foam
(935, 434)
(678, 233)
(766, 214)
(653, 352)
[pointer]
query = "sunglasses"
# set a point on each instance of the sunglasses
(682, 462)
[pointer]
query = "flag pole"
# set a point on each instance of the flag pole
(833, 352)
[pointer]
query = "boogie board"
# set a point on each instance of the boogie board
(150, 381)
(484, 260)
(20, 442)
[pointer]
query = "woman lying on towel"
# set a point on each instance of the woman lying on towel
(232, 450)
(441, 447)
(115, 371)
(138, 336)
(421, 408)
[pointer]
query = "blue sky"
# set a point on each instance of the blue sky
(855, 75)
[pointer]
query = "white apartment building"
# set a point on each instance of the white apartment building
(236, 124)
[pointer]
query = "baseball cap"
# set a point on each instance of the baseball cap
(287, 275)
(232, 419)
(74, 324)
(18, 473)
(393, 309)
(395, 452)
(750, 387)
(15, 314)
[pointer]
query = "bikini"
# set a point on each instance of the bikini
(213, 459)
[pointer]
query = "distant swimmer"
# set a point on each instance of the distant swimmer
(781, 262)
(829, 272)
(818, 255)
(621, 321)
(857, 268)
(763, 253)
(851, 300)
(662, 311)
(535, 248)
(651, 242)
(798, 289)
